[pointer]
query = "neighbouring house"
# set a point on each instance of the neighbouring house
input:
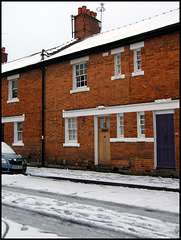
(104, 100)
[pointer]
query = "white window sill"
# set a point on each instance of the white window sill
(137, 73)
(71, 144)
(131, 139)
(18, 144)
(118, 77)
(13, 100)
(80, 89)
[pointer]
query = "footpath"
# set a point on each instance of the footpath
(102, 178)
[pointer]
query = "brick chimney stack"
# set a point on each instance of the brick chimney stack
(4, 56)
(85, 23)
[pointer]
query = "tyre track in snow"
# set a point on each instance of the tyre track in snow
(135, 221)
(162, 215)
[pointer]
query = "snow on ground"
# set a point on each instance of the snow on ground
(23, 231)
(107, 177)
(98, 216)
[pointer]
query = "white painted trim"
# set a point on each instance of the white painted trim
(118, 77)
(71, 144)
(117, 50)
(79, 60)
(131, 139)
(18, 144)
(138, 73)
(169, 111)
(155, 142)
(95, 140)
(136, 45)
(150, 106)
(106, 54)
(12, 77)
(13, 100)
(13, 119)
(80, 89)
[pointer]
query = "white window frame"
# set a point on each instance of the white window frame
(70, 142)
(140, 125)
(18, 142)
(137, 47)
(119, 126)
(10, 79)
(117, 53)
(75, 62)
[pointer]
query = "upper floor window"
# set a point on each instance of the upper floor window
(117, 63)
(137, 58)
(141, 124)
(79, 75)
(13, 88)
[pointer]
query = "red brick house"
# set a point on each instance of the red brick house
(103, 100)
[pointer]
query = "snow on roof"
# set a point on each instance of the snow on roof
(147, 25)
(5, 148)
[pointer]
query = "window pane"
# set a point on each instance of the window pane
(101, 123)
(20, 126)
(121, 131)
(14, 93)
(20, 138)
(107, 123)
(14, 84)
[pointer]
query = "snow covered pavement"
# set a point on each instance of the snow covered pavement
(95, 216)
(106, 177)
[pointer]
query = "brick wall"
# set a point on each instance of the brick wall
(160, 62)
(160, 80)
(29, 95)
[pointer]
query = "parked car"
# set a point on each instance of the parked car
(10, 161)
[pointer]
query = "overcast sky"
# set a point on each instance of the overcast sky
(30, 26)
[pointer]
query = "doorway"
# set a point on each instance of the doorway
(103, 140)
(165, 139)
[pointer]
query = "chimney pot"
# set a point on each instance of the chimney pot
(95, 14)
(83, 9)
(3, 49)
(79, 11)
(88, 11)
(92, 13)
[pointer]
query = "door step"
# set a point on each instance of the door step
(166, 172)
(103, 168)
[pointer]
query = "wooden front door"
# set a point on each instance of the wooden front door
(104, 140)
(165, 141)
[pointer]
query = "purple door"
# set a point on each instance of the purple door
(165, 141)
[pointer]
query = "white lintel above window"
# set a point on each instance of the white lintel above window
(117, 50)
(136, 45)
(79, 60)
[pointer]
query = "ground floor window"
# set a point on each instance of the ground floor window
(18, 133)
(141, 124)
(72, 129)
(71, 137)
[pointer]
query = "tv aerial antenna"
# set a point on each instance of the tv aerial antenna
(101, 9)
